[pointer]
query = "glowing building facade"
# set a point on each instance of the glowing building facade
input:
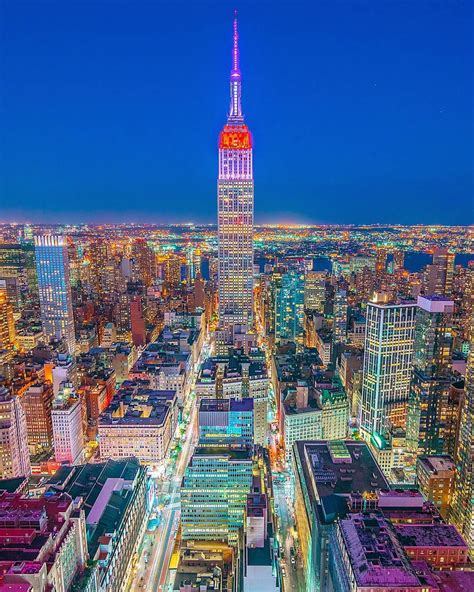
(388, 355)
(289, 308)
(462, 504)
(52, 267)
(235, 189)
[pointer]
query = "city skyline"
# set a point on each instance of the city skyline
(375, 124)
(233, 406)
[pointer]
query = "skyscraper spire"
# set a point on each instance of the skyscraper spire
(235, 114)
(235, 54)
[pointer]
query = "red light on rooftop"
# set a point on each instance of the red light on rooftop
(235, 138)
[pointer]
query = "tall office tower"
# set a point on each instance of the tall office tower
(235, 190)
(97, 256)
(52, 267)
(193, 263)
(438, 276)
(197, 262)
(444, 261)
(137, 321)
(389, 336)
(7, 323)
(433, 335)
(18, 261)
(364, 282)
(430, 402)
(462, 506)
(145, 261)
(37, 403)
(315, 291)
(172, 271)
(190, 273)
(289, 308)
(14, 457)
(340, 317)
(199, 292)
(381, 261)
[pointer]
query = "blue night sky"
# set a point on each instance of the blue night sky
(361, 111)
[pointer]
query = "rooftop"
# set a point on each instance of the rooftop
(429, 535)
(226, 405)
(13, 485)
(333, 470)
(232, 367)
(88, 481)
(375, 554)
(238, 453)
(437, 464)
(134, 404)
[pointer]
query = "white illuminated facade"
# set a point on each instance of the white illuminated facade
(235, 210)
(388, 355)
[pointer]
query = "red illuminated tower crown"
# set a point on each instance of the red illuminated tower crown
(235, 135)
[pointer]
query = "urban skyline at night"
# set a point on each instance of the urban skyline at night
(349, 117)
(227, 406)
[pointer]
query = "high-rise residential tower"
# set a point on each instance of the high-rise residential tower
(235, 191)
(52, 267)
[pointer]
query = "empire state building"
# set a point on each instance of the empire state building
(235, 209)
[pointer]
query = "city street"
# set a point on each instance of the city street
(293, 572)
(157, 546)
(293, 576)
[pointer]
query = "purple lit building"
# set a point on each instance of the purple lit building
(235, 189)
(367, 556)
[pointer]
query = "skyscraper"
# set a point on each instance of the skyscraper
(340, 317)
(52, 267)
(14, 457)
(7, 323)
(315, 290)
(438, 277)
(462, 505)
(431, 404)
(235, 189)
(389, 336)
(289, 308)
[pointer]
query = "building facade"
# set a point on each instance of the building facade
(235, 194)
(67, 420)
(226, 421)
(14, 456)
(214, 494)
(387, 366)
(52, 268)
(139, 422)
(37, 402)
(289, 308)
(462, 506)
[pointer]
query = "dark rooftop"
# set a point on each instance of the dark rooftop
(333, 470)
(429, 535)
